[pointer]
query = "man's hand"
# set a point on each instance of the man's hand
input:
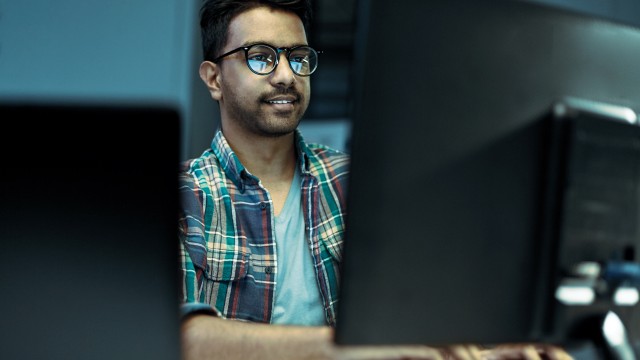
(525, 352)
(399, 352)
(461, 352)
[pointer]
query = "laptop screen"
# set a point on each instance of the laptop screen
(88, 252)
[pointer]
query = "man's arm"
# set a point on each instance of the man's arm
(209, 337)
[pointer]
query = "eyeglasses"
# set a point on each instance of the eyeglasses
(262, 59)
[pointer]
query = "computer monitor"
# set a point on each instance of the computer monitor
(457, 204)
(88, 247)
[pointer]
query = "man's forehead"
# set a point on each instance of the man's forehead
(265, 25)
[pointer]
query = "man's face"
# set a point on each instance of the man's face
(266, 105)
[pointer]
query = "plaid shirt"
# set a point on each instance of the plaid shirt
(227, 232)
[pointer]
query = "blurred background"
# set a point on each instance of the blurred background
(148, 51)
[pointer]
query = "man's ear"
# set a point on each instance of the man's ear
(210, 75)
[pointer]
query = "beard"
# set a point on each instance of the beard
(254, 116)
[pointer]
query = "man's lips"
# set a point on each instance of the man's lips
(281, 100)
(282, 103)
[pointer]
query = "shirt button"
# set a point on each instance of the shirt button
(268, 269)
(263, 206)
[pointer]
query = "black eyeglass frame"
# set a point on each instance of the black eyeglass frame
(277, 50)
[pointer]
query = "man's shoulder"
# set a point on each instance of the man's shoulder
(322, 147)
(320, 153)
(200, 166)
(327, 164)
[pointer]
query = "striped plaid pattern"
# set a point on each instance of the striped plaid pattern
(227, 233)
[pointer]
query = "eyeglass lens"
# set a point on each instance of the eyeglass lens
(262, 59)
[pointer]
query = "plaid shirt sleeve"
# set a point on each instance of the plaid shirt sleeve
(191, 235)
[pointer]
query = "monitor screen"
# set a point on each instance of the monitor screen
(88, 214)
(454, 232)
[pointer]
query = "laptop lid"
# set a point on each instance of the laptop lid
(88, 252)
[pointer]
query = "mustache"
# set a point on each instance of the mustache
(279, 92)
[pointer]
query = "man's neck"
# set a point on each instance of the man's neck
(271, 159)
(268, 158)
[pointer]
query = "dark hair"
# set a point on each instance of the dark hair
(215, 16)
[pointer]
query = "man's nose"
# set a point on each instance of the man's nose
(283, 75)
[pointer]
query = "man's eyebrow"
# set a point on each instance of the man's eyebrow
(250, 43)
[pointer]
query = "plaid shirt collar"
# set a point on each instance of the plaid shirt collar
(234, 169)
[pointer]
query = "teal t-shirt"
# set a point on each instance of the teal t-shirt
(298, 299)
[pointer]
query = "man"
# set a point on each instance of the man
(263, 211)
(263, 219)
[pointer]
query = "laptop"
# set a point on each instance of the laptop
(88, 251)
